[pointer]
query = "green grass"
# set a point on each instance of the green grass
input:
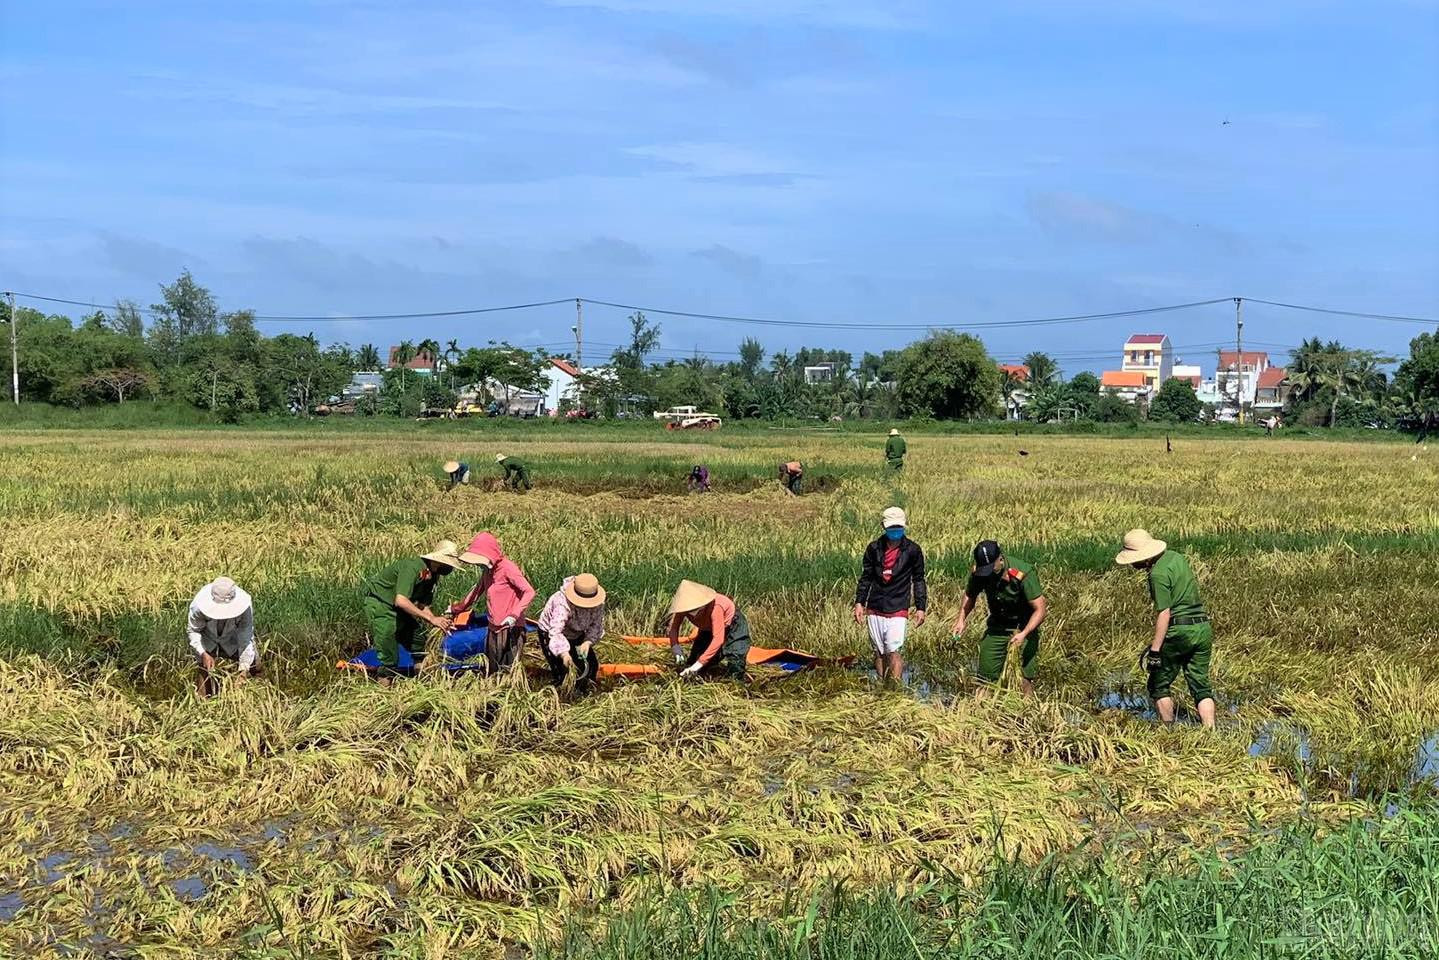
(1370, 890)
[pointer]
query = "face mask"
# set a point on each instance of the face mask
(894, 533)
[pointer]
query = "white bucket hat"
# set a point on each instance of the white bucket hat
(894, 517)
(222, 600)
(500, 458)
(1139, 546)
(894, 431)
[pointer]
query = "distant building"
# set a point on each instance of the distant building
(421, 362)
(1150, 354)
(820, 372)
(1188, 372)
(563, 391)
(1018, 399)
(1128, 385)
(1238, 375)
(362, 384)
(1271, 390)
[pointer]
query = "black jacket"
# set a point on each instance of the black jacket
(874, 593)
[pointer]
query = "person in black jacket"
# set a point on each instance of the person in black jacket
(892, 575)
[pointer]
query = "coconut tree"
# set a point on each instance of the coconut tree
(430, 349)
(368, 358)
(404, 353)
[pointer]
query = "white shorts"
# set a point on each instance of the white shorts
(887, 633)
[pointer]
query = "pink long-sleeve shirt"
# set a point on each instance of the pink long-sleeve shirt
(506, 591)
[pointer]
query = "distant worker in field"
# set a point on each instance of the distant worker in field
(517, 475)
(507, 594)
(699, 480)
(1183, 638)
(791, 474)
(723, 637)
(571, 624)
(891, 577)
(894, 450)
(1017, 607)
(457, 472)
(222, 624)
(397, 600)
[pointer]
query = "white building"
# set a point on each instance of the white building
(1189, 372)
(563, 391)
(1237, 377)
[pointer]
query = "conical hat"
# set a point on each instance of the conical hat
(445, 552)
(690, 597)
(451, 466)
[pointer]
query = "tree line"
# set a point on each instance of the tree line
(191, 352)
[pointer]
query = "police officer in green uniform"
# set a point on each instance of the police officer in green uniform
(894, 451)
(1183, 639)
(517, 475)
(1016, 609)
(397, 598)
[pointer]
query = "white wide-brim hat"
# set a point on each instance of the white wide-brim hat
(222, 600)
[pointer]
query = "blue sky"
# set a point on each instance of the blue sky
(871, 161)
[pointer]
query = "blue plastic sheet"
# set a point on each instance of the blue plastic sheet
(464, 650)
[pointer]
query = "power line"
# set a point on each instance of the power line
(833, 325)
(1343, 313)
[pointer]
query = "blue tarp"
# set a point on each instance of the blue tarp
(464, 650)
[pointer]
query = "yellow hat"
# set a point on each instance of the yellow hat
(584, 590)
(500, 458)
(445, 552)
(690, 597)
(1139, 546)
(451, 466)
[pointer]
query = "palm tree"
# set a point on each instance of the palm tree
(452, 353)
(430, 348)
(368, 358)
(1008, 387)
(404, 353)
(1043, 371)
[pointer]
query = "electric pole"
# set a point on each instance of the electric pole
(1239, 359)
(579, 335)
(14, 348)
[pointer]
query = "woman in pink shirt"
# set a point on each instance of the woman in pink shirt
(723, 631)
(508, 595)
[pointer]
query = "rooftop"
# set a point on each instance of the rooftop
(1122, 378)
(1252, 358)
(1271, 378)
(1016, 371)
(421, 361)
(564, 366)
(1146, 338)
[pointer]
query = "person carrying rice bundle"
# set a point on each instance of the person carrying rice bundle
(1017, 607)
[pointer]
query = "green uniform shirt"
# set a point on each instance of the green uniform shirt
(1173, 587)
(403, 578)
(894, 448)
(1009, 596)
(513, 465)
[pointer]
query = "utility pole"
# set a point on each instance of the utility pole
(579, 335)
(14, 348)
(1239, 360)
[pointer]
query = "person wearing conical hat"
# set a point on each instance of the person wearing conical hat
(516, 473)
(571, 623)
(1183, 638)
(222, 624)
(894, 450)
(458, 472)
(891, 578)
(723, 632)
(397, 600)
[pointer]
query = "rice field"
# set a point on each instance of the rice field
(312, 813)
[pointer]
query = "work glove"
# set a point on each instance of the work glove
(690, 671)
(1150, 660)
(508, 622)
(679, 655)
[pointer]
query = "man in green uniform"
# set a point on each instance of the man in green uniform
(894, 450)
(516, 473)
(398, 598)
(1016, 609)
(1183, 639)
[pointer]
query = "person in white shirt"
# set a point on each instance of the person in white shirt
(222, 624)
(572, 622)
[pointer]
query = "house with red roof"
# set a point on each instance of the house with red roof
(1237, 376)
(1146, 362)
(1271, 390)
(421, 362)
